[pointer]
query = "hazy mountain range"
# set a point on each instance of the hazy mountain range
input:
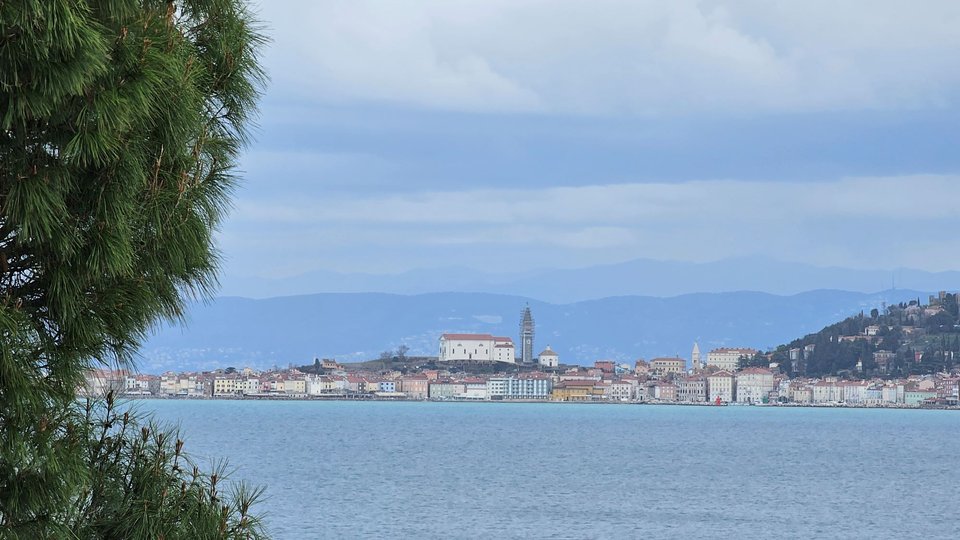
(358, 326)
(642, 277)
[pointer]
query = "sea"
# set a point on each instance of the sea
(342, 469)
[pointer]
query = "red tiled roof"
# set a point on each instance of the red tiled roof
(468, 336)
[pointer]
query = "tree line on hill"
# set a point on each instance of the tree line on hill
(912, 339)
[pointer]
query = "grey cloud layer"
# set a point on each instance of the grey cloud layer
(606, 56)
(897, 198)
(856, 221)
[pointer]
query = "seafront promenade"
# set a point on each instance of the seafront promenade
(605, 382)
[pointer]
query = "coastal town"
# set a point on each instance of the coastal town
(485, 367)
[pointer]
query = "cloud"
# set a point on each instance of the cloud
(861, 222)
(894, 198)
(617, 56)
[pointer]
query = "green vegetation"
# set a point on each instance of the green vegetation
(904, 339)
(120, 124)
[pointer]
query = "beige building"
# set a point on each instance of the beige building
(620, 391)
(414, 386)
(728, 359)
(663, 367)
(754, 385)
(827, 392)
(295, 386)
(720, 385)
(692, 389)
(641, 368)
(662, 391)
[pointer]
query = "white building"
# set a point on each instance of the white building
(620, 391)
(728, 359)
(519, 388)
(754, 385)
(474, 389)
(478, 347)
(548, 358)
(827, 392)
(855, 391)
(720, 385)
(892, 393)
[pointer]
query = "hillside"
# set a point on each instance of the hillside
(356, 327)
(906, 338)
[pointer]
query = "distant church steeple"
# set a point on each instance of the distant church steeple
(526, 336)
(695, 357)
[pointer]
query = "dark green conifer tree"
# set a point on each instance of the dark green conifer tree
(120, 125)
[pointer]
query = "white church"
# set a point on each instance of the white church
(478, 347)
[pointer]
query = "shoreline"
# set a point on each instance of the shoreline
(549, 401)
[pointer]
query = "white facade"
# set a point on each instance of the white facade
(892, 393)
(516, 388)
(754, 385)
(827, 392)
(720, 385)
(548, 358)
(475, 390)
(478, 347)
(620, 391)
(855, 392)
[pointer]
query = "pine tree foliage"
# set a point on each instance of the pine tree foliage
(120, 126)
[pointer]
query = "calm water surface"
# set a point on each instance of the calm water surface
(482, 470)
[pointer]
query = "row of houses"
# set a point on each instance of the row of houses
(605, 381)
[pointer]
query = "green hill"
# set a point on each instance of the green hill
(902, 339)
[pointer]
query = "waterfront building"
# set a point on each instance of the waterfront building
(136, 385)
(827, 392)
(414, 386)
(475, 389)
(692, 389)
(663, 367)
(98, 382)
(527, 331)
(294, 386)
(720, 385)
(223, 386)
(801, 393)
(575, 390)
(855, 392)
(549, 359)
(358, 384)
(523, 387)
(319, 384)
(873, 395)
(892, 393)
(476, 347)
(754, 385)
(915, 397)
(728, 359)
(662, 391)
(446, 389)
(620, 391)
(248, 385)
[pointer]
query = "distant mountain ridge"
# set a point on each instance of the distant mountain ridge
(358, 326)
(643, 277)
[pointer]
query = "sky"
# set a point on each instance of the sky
(506, 135)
